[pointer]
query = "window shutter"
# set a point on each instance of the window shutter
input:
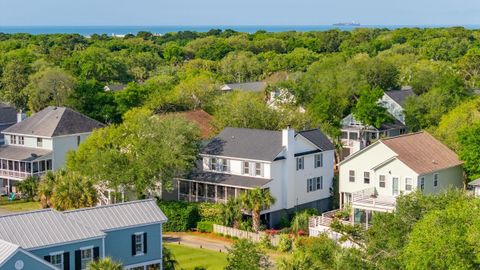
(96, 253)
(47, 258)
(133, 245)
(78, 260)
(66, 261)
(145, 243)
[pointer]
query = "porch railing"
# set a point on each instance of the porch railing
(325, 219)
(18, 175)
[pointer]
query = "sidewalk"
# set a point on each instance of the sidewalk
(197, 241)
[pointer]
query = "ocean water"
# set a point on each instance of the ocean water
(122, 30)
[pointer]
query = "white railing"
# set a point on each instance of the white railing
(325, 219)
(18, 175)
(363, 194)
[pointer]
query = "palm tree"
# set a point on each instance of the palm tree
(28, 187)
(45, 189)
(104, 264)
(231, 213)
(73, 191)
(255, 201)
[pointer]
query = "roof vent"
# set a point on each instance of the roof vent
(34, 155)
(54, 108)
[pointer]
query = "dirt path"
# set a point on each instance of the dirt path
(198, 241)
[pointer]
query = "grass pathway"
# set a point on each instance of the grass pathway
(189, 257)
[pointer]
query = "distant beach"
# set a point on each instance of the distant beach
(123, 30)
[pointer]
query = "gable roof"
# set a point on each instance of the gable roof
(43, 228)
(422, 152)
(257, 144)
(400, 96)
(248, 86)
(318, 138)
(8, 114)
(7, 250)
(121, 215)
(55, 121)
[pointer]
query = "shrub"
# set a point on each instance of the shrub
(246, 225)
(182, 216)
(284, 243)
(265, 241)
(205, 226)
(209, 212)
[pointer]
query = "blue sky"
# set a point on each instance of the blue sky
(238, 12)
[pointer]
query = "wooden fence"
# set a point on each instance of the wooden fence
(254, 237)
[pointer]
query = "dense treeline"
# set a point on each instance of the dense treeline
(330, 73)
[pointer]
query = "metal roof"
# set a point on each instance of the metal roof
(117, 216)
(475, 182)
(248, 86)
(43, 228)
(7, 249)
(55, 121)
(22, 153)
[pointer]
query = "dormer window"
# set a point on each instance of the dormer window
(13, 139)
(39, 142)
(258, 169)
(21, 140)
(246, 167)
(213, 164)
(223, 165)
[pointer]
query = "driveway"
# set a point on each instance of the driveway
(197, 241)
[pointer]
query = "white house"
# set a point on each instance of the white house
(40, 143)
(355, 136)
(372, 179)
(297, 168)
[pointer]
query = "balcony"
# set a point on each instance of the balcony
(369, 199)
(17, 175)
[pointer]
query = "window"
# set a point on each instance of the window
(300, 163)
(139, 244)
(422, 183)
(344, 135)
(213, 164)
(366, 177)
(78, 140)
(13, 139)
(435, 180)
(39, 142)
(319, 160)
(408, 183)
(86, 256)
(21, 140)
(224, 165)
(381, 181)
(57, 260)
(353, 136)
(246, 167)
(315, 183)
(351, 176)
(258, 169)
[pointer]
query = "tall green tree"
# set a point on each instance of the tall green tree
(368, 110)
(13, 80)
(469, 150)
(73, 191)
(231, 213)
(246, 255)
(255, 200)
(29, 187)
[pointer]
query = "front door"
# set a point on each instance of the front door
(395, 186)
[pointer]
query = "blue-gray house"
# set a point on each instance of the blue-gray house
(130, 233)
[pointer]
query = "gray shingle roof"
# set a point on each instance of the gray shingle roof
(115, 216)
(245, 143)
(248, 86)
(55, 121)
(400, 96)
(22, 153)
(318, 138)
(228, 179)
(8, 114)
(43, 228)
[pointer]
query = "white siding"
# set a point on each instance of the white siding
(61, 147)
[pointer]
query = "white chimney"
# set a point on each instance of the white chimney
(21, 116)
(289, 169)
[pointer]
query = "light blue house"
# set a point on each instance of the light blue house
(130, 233)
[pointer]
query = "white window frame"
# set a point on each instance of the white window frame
(436, 177)
(318, 160)
(21, 140)
(141, 243)
(248, 168)
(62, 260)
(366, 180)
(13, 139)
(319, 183)
(382, 180)
(351, 176)
(300, 163)
(259, 169)
(212, 164)
(84, 259)
(408, 186)
(223, 165)
(39, 142)
(310, 185)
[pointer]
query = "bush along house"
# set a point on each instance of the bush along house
(130, 233)
(371, 180)
(40, 143)
(296, 167)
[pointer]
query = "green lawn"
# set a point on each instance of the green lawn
(189, 257)
(18, 206)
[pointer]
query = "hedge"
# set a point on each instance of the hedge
(182, 216)
(210, 211)
(205, 226)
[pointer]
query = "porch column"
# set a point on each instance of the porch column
(236, 193)
(205, 191)
(216, 199)
(178, 191)
(196, 191)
